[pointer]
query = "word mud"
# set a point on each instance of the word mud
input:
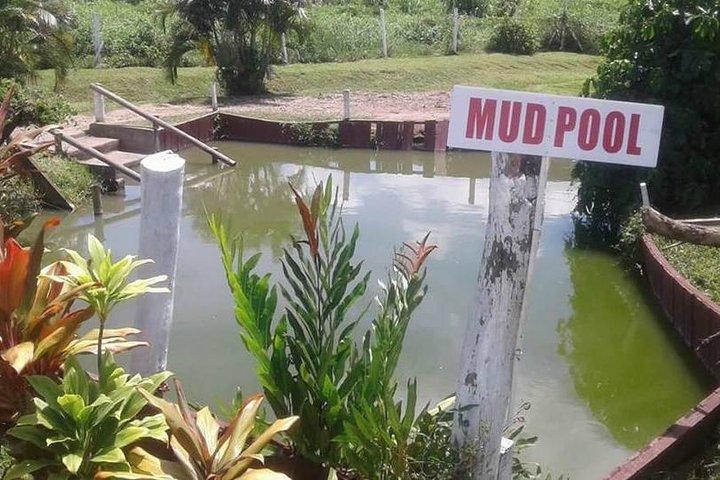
(563, 127)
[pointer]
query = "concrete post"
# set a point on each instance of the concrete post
(644, 193)
(383, 33)
(161, 193)
(97, 39)
(456, 29)
(283, 48)
(99, 107)
(471, 193)
(213, 96)
(346, 185)
(97, 200)
(506, 459)
(346, 104)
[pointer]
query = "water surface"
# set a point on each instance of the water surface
(601, 371)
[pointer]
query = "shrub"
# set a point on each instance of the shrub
(81, 425)
(477, 8)
(73, 179)
(511, 35)
(308, 362)
(33, 106)
(665, 52)
(132, 35)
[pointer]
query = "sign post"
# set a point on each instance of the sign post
(523, 130)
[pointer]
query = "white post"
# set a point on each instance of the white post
(346, 185)
(97, 39)
(161, 193)
(99, 107)
(383, 33)
(213, 96)
(456, 28)
(490, 341)
(644, 193)
(283, 48)
(346, 104)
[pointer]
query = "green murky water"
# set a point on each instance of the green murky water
(601, 371)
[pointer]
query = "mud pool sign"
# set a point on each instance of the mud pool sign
(555, 126)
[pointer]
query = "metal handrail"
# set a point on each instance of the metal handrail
(156, 121)
(97, 154)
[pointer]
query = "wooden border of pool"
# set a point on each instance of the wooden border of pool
(695, 318)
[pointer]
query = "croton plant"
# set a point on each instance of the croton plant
(39, 322)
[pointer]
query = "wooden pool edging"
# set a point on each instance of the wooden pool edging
(695, 318)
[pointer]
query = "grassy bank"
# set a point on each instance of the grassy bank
(697, 263)
(561, 73)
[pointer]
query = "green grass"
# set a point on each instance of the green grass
(74, 180)
(699, 264)
(561, 73)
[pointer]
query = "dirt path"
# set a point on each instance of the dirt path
(364, 105)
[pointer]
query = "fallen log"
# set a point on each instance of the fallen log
(656, 222)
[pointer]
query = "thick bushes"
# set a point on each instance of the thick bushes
(665, 52)
(31, 106)
(512, 36)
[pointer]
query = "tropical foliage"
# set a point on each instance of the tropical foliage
(665, 52)
(241, 37)
(81, 426)
(39, 322)
(201, 451)
(13, 154)
(308, 362)
(104, 283)
(34, 35)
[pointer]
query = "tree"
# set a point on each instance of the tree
(242, 37)
(34, 34)
(664, 52)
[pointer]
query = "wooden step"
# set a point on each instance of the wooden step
(104, 170)
(100, 144)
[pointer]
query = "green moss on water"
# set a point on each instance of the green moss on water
(626, 363)
(698, 263)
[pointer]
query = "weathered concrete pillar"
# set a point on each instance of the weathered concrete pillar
(346, 104)
(383, 33)
(456, 29)
(99, 107)
(213, 96)
(490, 341)
(161, 194)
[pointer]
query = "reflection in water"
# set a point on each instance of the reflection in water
(626, 369)
(592, 399)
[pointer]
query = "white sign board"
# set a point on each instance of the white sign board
(555, 126)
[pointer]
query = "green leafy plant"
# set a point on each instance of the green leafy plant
(38, 324)
(308, 363)
(81, 426)
(201, 451)
(663, 52)
(107, 282)
(511, 35)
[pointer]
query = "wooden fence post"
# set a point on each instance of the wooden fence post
(161, 194)
(490, 341)
(383, 33)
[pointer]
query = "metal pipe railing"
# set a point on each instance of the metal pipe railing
(97, 154)
(156, 121)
